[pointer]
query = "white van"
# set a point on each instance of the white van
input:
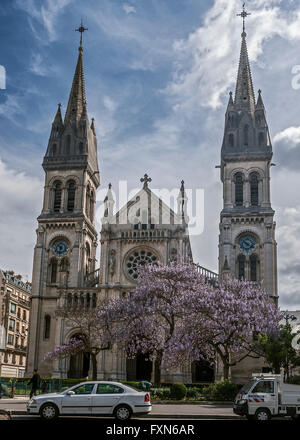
(266, 396)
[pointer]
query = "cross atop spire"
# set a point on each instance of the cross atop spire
(244, 14)
(81, 29)
(146, 180)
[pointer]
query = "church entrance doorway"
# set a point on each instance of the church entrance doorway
(79, 364)
(139, 368)
(202, 371)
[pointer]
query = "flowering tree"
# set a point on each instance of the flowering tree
(224, 320)
(147, 321)
(94, 335)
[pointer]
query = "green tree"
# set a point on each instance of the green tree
(279, 351)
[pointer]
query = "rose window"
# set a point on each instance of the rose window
(137, 259)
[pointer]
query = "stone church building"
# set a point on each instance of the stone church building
(145, 230)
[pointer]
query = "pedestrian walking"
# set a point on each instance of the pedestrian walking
(35, 383)
(44, 387)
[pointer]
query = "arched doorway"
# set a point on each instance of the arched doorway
(202, 371)
(79, 364)
(139, 368)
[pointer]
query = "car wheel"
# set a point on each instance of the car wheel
(122, 413)
(49, 411)
(262, 414)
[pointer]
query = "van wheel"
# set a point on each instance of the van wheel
(49, 411)
(122, 413)
(262, 414)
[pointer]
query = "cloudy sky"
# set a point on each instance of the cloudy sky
(158, 73)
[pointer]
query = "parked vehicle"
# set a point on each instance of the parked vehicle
(266, 396)
(93, 399)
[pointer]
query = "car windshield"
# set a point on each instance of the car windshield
(247, 387)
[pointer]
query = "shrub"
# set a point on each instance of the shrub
(161, 393)
(178, 391)
(224, 390)
(192, 393)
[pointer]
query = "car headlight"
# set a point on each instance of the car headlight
(242, 401)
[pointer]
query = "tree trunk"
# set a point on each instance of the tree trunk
(225, 370)
(157, 368)
(94, 366)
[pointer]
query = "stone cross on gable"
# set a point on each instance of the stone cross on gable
(146, 180)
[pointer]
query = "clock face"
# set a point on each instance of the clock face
(247, 244)
(60, 248)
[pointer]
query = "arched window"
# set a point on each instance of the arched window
(87, 202)
(87, 258)
(253, 268)
(64, 264)
(261, 139)
(71, 196)
(246, 134)
(254, 189)
(57, 196)
(80, 147)
(92, 206)
(54, 150)
(241, 267)
(68, 145)
(47, 325)
(53, 271)
(231, 140)
(239, 189)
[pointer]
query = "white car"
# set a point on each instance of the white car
(93, 399)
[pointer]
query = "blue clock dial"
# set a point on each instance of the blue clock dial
(247, 244)
(60, 248)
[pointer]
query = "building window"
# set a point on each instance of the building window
(10, 339)
(92, 206)
(231, 140)
(71, 196)
(246, 134)
(261, 139)
(18, 326)
(13, 358)
(137, 259)
(6, 357)
(80, 148)
(47, 327)
(254, 189)
(241, 267)
(239, 189)
(54, 150)
(21, 360)
(24, 315)
(87, 201)
(11, 325)
(13, 308)
(87, 258)
(53, 270)
(68, 145)
(57, 196)
(253, 268)
(19, 313)
(64, 264)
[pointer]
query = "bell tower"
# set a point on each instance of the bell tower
(65, 251)
(247, 246)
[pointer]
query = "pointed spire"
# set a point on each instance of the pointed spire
(182, 200)
(58, 118)
(93, 127)
(230, 102)
(244, 93)
(260, 104)
(108, 203)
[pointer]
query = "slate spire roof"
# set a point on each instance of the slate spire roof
(77, 99)
(244, 92)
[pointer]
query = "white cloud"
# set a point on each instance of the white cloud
(206, 62)
(290, 134)
(20, 202)
(46, 14)
(10, 107)
(129, 9)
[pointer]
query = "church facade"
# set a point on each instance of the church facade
(145, 230)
